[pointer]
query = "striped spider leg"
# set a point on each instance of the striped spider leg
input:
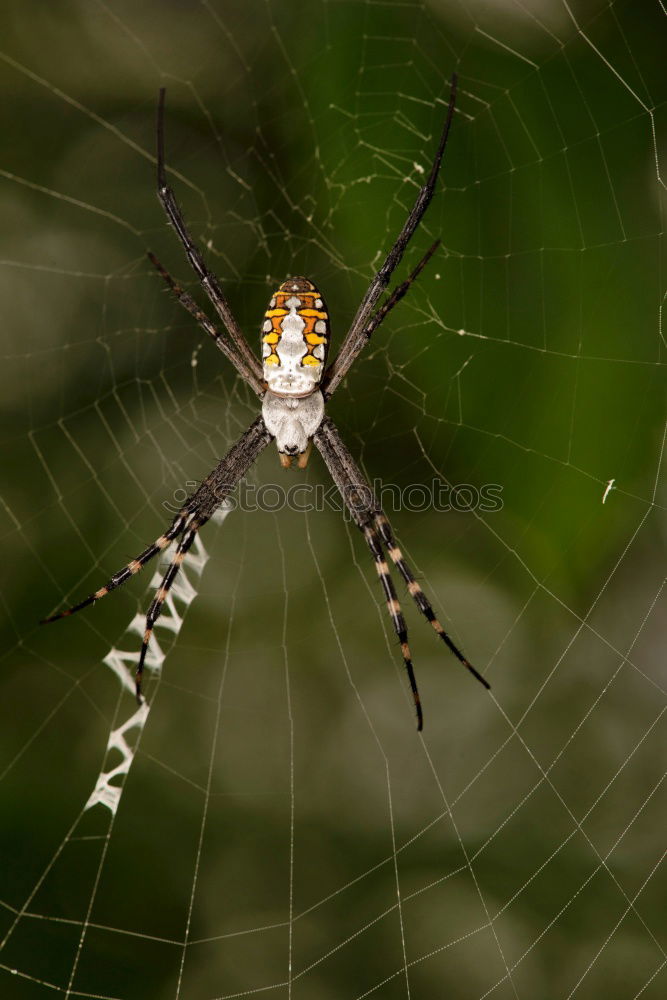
(374, 524)
(192, 516)
(293, 384)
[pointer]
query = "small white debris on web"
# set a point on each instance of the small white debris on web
(437, 277)
(608, 489)
(418, 167)
(194, 358)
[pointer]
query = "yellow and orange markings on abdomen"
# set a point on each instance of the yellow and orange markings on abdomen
(298, 296)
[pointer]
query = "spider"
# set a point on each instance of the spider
(294, 386)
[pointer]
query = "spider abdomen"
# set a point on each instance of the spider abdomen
(295, 339)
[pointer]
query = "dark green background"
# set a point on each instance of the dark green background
(525, 832)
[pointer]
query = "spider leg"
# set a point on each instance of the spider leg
(380, 315)
(355, 493)
(418, 595)
(394, 608)
(127, 571)
(355, 338)
(155, 609)
(218, 336)
(208, 280)
(365, 509)
(199, 507)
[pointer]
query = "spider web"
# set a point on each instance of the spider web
(270, 822)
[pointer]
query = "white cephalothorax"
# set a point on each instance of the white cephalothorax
(293, 420)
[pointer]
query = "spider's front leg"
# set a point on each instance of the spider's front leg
(371, 519)
(195, 512)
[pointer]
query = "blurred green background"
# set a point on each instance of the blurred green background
(283, 829)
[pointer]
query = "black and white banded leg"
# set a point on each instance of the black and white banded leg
(355, 493)
(418, 595)
(127, 571)
(373, 522)
(155, 610)
(194, 513)
(394, 609)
